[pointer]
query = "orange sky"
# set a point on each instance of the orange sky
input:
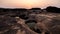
(28, 3)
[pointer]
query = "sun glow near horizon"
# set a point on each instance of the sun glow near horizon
(31, 3)
(28, 3)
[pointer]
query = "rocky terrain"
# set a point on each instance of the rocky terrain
(29, 22)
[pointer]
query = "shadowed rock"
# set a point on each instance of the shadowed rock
(49, 25)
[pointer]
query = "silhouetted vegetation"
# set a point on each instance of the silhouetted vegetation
(53, 9)
(35, 9)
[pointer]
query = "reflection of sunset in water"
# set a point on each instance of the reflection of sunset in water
(28, 3)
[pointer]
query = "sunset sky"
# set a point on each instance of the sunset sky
(28, 3)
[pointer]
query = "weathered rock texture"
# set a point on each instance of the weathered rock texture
(29, 23)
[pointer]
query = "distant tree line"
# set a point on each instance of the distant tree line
(53, 9)
(19, 10)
